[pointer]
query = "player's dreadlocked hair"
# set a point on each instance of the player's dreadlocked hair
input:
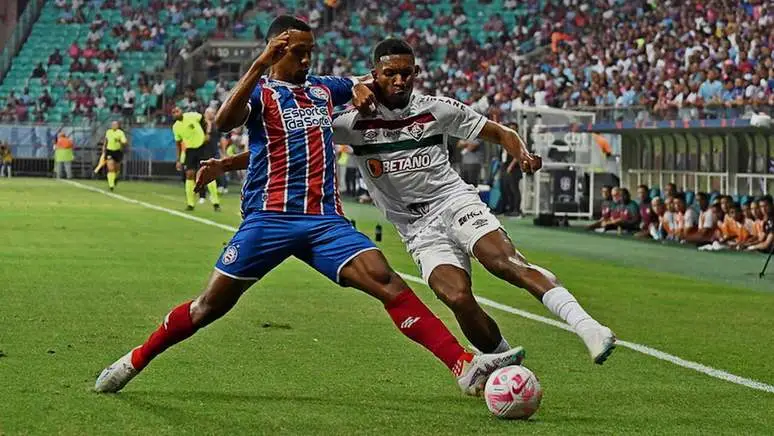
(286, 22)
(391, 46)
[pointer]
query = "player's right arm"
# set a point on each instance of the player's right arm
(235, 110)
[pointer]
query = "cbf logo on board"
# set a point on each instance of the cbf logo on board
(377, 168)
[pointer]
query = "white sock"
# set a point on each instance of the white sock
(562, 304)
(503, 347)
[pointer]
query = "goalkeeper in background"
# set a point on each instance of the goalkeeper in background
(190, 138)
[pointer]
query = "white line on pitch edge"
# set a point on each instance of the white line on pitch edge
(644, 349)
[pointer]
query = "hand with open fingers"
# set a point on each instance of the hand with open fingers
(275, 49)
(530, 163)
(363, 99)
(209, 170)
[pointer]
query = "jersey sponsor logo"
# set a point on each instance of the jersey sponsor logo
(230, 255)
(377, 168)
(318, 92)
(370, 135)
(469, 216)
(416, 131)
(306, 117)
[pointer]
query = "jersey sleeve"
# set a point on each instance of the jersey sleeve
(176, 132)
(458, 119)
(195, 117)
(343, 123)
(123, 137)
(340, 87)
(254, 105)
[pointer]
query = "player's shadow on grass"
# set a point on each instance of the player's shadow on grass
(433, 404)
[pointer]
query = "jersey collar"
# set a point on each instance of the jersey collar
(397, 113)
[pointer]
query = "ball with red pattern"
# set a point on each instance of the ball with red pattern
(513, 392)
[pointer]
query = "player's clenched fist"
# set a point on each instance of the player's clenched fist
(275, 49)
(363, 99)
(530, 163)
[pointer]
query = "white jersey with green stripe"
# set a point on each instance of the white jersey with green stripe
(403, 157)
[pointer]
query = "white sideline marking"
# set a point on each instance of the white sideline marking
(708, 370)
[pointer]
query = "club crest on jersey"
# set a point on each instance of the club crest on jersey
(230, 255)
(370, 135)
(377, 168)
(318, 92)
(416, 131)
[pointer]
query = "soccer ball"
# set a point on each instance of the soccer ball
(513, 392)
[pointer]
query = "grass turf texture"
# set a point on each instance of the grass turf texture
(84, 277)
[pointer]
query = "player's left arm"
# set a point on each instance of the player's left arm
(512, 143)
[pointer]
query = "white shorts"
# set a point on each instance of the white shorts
(449, 238)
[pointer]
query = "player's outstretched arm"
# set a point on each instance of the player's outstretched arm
(211, 169)
(234, 110)
(513, 144)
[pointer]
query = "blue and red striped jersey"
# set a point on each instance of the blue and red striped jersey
(292, 157)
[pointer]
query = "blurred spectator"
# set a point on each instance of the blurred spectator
(55, 58)
(626, 214)
(471, 161)
(39, 71)
(732, 231)
(606, 208)
(63, 156)
(6, 160)
(669, 219)
(45, 100)
(706, 224)
(351, 173)
(656, 228)
(511, 201)
(765, 241)
(643, 200)
(685, 217)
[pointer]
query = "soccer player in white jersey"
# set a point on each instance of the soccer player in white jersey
(402, 154)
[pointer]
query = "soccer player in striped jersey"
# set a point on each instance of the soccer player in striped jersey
(402, 153)
(291, 207)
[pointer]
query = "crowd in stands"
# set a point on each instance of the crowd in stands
(712, 222)
(686, 59)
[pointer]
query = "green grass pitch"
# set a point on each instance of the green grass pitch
(84, 277)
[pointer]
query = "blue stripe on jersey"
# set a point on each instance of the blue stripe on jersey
(329, 190)
(297, 155)
(257, 170)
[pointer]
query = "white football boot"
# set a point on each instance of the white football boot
(600, 341)
(116, 376)
(473, 374)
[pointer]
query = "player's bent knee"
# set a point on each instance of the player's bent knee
(456, 297)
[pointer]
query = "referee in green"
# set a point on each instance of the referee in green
(190, 140)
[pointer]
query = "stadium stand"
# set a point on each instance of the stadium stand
(683, 60)
(101, 58)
